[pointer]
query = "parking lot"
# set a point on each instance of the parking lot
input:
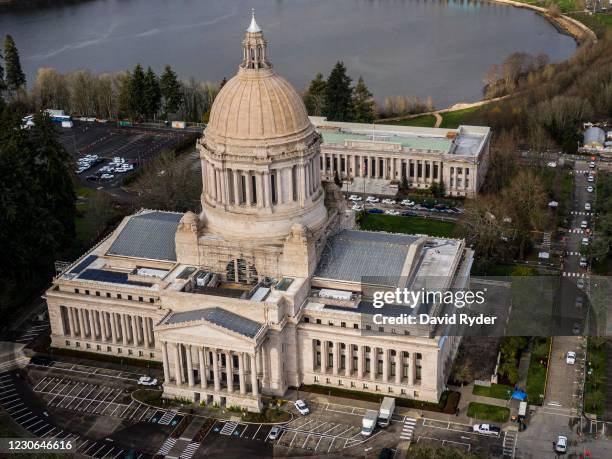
(461, 436)
(75, 369)
(137, 145)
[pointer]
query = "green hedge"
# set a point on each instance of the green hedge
(112, 358)
(538, 368)
(448, 401)
(488, 412)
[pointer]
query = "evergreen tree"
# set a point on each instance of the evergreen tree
(337, 180)
(315, 96)
(15, 78)
(152, 93)
(223, 82)
(363, 104)
(124, 98)
(138, 101)
(405, 186)
(2, 83)
(338, 95)
(171, 91)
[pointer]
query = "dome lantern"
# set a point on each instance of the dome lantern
(254, 47)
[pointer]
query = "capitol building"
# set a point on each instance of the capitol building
(269, 286)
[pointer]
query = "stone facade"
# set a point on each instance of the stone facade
(232, 301)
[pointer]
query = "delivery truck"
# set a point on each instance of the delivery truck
(386, 411)
(368, 422)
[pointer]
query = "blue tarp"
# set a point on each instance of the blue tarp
(519, 395)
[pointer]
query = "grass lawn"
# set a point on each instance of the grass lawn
(501, 391)
(420, 121)
(595, 398)
(488, 412)
(410, 225)
(538, 368)
(452, 120)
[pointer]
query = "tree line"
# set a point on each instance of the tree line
(138, 94)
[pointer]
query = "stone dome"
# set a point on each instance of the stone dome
(257, 105)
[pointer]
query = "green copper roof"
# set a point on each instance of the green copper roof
(407, 141)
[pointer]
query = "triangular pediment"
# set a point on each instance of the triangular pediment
(205, 334)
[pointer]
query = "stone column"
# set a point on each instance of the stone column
(267, 190)
(151, 332)
(259, 195)
(324, 356)
(177, 365)
(113, 327)
(313, 354)
(236, 179)
(217, 379)
(254, 385)
(373, 363)
(398, 367)
(203, 375)
(247, 182)
(189, 366)
(279, 186)
(411, 368)
(360, 361)
(348, 360)
(102, 325)
(71, 321)
(92, 325)
(385, 365)
(165, 362)
(229, 373)
(336, 362)
(147, 331)
(124, 330)
(134, 330)
(302, 187)
(82, 330)
(241, 373)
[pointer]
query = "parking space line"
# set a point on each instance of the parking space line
(23, 416)
(109, 403)
(48, 383)
(317, 446)
(57, 435)
(14, 404)
(257, 431)
(128, 406)
(42, 428)
(9, 396)
(81, 445)
(90, 446)
(304, 444)
(85, 398)
(293, 439)
(117, 455)
(48, 432)
(8, 391)
(41, 381)
(19, 411)
(32, 425)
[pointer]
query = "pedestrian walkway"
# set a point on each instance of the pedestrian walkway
(166, 446)
(190, 450)
(568, 274)
(167, 417)
(408, 429)
(229, 428)
(509, 445)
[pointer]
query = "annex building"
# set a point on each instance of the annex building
(381, 155)
(264, 289)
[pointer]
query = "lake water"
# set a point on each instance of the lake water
(419, 48)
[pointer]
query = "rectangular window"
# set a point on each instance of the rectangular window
(151, 354)
(78, 344)
(86, 292)
(352, 384)
(109, 349)
(97, 293)
(343, 324)
(67, 343)
(130, 297)
(76, 290)
(327, 380)
(118, 296)
(319, 321)
(88, 346)
(141, 299)
(118, 350)
(330, 323)
(98, 347)
(356, 326)
(108, 295)
(151, 300)
(368, 327)
(403, 391)
(381, 329)
(316, 379)
(307, 319)
(129, 352)
(365, 386)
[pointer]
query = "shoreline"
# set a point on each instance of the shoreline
(564, 24)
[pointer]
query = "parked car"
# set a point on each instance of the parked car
(577, 328)
(388, 201)
(375, 211)
(407, 202)
(147, 381)
(570, 358)
(560, 444)
(592, 164)
(275, 432)
(584, 224)
(583, 262)
(354, 197)
(590, 189)
(580, 283)
(372, 199)
(301, 406)
(486, 429)
(591, 178)
(587, 206)
(357, 207)
(392, 212)
(579, 301)
(409, 213)
(585, 241)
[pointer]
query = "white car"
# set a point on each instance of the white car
(357, 207)
(147, 381)
(372, 199)
(392, 212)
(583, 262)
(107, 176)
(570, 358)
(587, 206)
(388, 201)
(486, 429)
(407, 202)
(561, 444)
(552, 164)
(592, 164)
(591, 178)
(354, 197)
(301, 406)
(585, 241)
(590, 189)
(275, 432)
(584, 224)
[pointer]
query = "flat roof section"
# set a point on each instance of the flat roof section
(220, 317)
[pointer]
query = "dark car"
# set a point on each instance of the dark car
(385, 453)
(409, 213)
(376, 211)
(440, 206)
(92, 178)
